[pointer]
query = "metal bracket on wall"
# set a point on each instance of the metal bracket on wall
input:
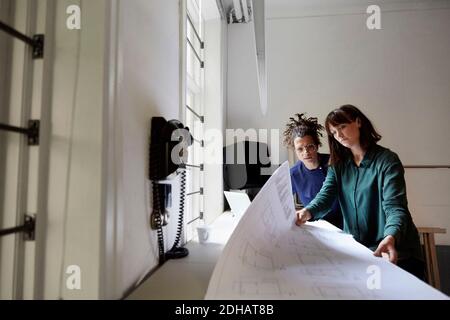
(38, 46)
(200, 192)
(32, 132)
(185, 165)
(37, 42)
(28, 228)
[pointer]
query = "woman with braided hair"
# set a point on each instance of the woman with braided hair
(308, 174)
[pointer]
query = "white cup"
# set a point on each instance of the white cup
(204, 233)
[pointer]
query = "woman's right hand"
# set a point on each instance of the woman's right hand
(302, 216)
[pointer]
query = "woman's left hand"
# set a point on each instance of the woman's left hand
(387, 245)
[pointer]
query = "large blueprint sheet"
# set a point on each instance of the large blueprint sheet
(269, 257)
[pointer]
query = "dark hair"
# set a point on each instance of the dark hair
(347, 114)
(300, 127)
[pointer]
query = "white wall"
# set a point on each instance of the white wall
(110, 78)
(243, 100)
(399, 76)
(392, 73)
(136, 76)
(428, 191)
(75, 157)
(148, 84)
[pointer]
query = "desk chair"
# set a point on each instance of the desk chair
(427, 235)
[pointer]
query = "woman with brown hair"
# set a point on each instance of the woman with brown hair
(369, 182)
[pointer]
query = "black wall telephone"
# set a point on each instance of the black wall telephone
(168, 153)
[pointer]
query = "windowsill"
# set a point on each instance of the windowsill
(188, 278)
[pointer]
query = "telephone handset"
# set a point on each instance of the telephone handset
(168, 153)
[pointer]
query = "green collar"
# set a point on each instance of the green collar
(368, 157)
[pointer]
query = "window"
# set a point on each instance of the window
(193, 114)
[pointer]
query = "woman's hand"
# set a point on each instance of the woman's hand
(387, 246)
(302, 216)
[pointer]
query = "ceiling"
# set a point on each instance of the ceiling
(293, 8)
(280, 8)
(322, 4)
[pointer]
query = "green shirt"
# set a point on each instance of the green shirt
(372, 199)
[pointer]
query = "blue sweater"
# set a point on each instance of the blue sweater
(307, 183)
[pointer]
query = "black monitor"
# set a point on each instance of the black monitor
(244, 164)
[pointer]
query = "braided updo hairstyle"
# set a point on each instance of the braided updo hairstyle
(301, 126)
